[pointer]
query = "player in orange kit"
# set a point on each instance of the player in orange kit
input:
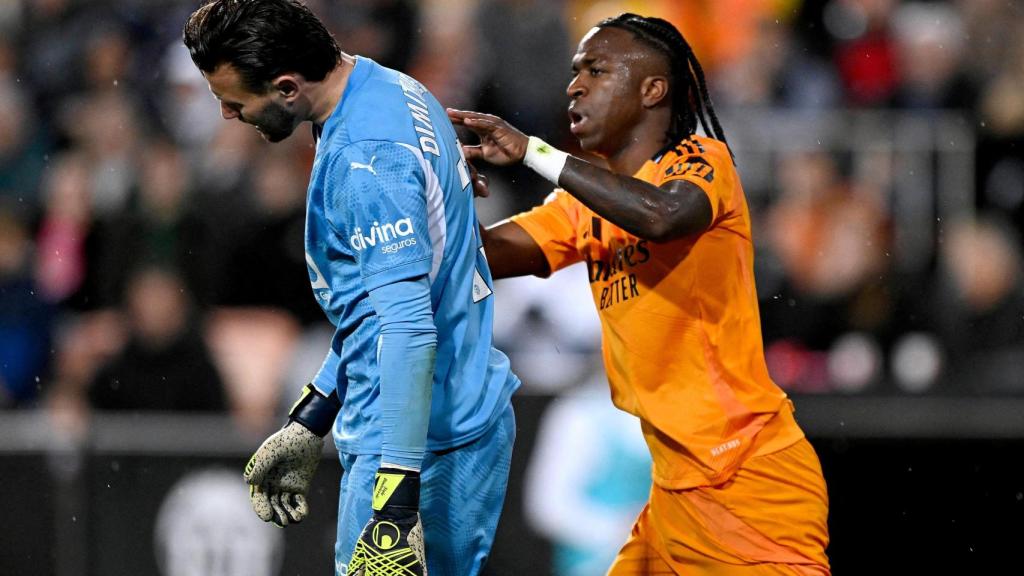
(665, 231)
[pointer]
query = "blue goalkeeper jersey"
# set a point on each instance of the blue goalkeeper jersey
(390, 199)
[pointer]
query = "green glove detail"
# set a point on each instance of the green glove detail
(279, 474)
(391, 544)
(280, 471)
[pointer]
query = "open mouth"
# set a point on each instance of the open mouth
(576, 121)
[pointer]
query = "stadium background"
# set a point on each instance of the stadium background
(146, 243)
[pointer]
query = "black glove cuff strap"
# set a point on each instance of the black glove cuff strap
(315, 411)
(406, 496)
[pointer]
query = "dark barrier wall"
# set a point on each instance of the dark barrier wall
(920, 504)
(924, 506)
(26, 534)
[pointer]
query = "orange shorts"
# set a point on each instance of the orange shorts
(769, 519)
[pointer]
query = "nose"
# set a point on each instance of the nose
(576, 87)
(227, 112)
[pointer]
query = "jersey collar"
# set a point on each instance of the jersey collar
(360, 73)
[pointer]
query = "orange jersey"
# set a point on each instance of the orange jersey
(681, 331)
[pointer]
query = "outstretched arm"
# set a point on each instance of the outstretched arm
(654, 213)
(512, 252)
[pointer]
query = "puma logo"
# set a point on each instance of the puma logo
(357, 166)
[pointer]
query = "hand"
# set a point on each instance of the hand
(279, 474)
(501, 143)
(480, 189)
(391, 544)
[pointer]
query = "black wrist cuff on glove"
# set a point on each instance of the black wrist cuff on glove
(315, 411)
(396, 492)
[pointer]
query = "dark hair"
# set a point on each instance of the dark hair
(262, 39)
(690, 98)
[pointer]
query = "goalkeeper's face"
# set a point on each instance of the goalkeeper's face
(273, 113)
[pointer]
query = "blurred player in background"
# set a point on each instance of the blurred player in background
(665, 231)
(394, 256)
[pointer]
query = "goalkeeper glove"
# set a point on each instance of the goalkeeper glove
(281, 469)
(391, 544)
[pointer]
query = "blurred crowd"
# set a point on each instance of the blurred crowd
(151, 254)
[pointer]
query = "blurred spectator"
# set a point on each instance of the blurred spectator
(1001, 112)
(51, 36)
(721, 32)
(266, 264)
(223, 174)
(587, 503)
(110, 151)
(513, 37)
(386, 30)
(831, 242)
(10, 17)
(185, 104)
(548, 328)
(106, 128)
(865, 50)
(84, 343)
(777, 71)
(160, 224)
(981, 294)
(446, 60)
(930, 42)
(8, 57)
(518, 35)
(165, 364)
(67, 241)
(107, 57)
(23, 146)
(990, 30)
(254, 348)
(1002, 107)
(26, 320)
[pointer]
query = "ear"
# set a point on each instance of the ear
(653, 89)
(287, 85)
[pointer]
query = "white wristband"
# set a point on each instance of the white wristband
(545, 159)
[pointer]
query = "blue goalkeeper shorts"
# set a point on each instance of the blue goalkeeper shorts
(461, 495)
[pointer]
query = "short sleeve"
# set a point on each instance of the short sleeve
(386, 207)
(552, 226)
(698, 162)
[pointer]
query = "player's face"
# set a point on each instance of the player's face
(604, 93)
(265, 111)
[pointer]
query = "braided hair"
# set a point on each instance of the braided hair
(690, 99)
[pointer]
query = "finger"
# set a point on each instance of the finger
(260, 463)
(280, 516)
(249, 467)
(301, 506)
(480, 130)
(481, 124)
(456, 116)
(292, 511)
(469, 115)
(480, 189)
(459, 116)
(261, 503)
(358, 561)
(473, 152)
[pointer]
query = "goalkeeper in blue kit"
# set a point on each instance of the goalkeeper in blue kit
(416, 398)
